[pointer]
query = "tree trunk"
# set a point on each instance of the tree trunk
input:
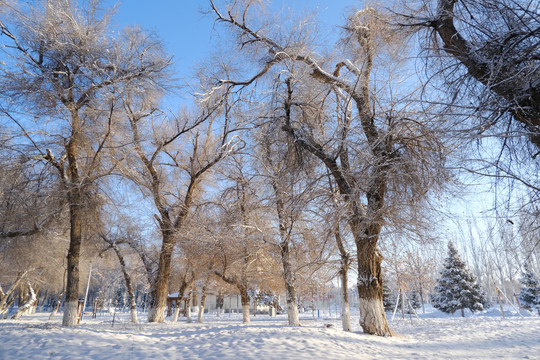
(183, 286)
(60, 297)
(343, 274)
(370, 290)
(129, 285)
(4, 297)
(160, 290)
(201, 308)
(32, 310)
(27, 306)
(245, 304)
(72, 288)
(345, 309)
(75, 199)
(188, 305)
(292, 306)
(219, 304)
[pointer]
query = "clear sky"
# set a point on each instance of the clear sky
(188, 32)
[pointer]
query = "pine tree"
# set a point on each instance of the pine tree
(457, 288)
(389, 299)
(414, 299)
(529, 296)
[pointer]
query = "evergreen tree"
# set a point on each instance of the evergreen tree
(457, 288)
(414, 299)
(389, 299)
(529, 296)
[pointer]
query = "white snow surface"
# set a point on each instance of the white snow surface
(433, 336)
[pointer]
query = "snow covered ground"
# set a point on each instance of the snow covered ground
(433, 336)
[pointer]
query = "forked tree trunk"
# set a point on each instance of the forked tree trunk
(5, 297)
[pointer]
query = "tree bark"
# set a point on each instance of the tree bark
(75, 199)
(370, 290)
(245, 303)
(292, 306)
(73, 259)
(160, 290)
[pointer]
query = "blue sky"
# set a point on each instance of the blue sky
(188, 33)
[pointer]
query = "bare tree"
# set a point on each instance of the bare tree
(240, 248)
(178, 150)
(495, 43)
(377, 150)
(64, 65)
(114, 242)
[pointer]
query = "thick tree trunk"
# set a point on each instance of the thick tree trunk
(75, 198)
(292, 306)
(370, 290)
(245, 304)
(160, 290)
(72, 288)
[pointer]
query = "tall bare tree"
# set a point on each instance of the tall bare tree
(63, 71)
(378, 151)
(171, 166)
